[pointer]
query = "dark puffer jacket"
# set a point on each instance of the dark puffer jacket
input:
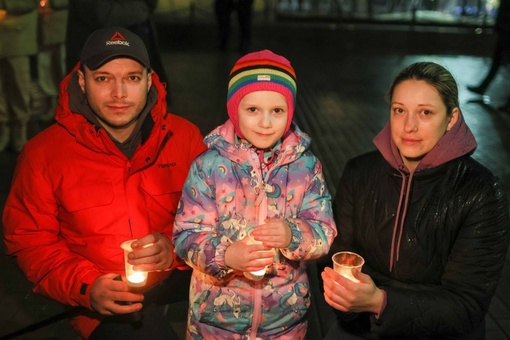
(441, 266)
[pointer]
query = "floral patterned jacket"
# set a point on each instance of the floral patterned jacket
(226, 194)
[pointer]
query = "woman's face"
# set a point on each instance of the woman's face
(418, 120)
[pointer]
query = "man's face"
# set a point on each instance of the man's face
(117, 93)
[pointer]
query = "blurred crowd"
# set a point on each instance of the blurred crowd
(32, 40)
(40, 41)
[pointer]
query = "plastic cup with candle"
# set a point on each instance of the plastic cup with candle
(258, 274)
(345, 261)
(255, 275)
(134, 278)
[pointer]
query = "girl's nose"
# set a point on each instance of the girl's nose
(265, 120)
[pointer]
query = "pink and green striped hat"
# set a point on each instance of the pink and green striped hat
(261, 71)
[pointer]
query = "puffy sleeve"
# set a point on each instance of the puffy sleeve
(32, 235)
(196, 238)
(313, 229)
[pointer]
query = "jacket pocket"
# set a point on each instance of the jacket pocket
(223, 309)
(163, 192)
(86, 193)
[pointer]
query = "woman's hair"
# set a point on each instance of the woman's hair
(434, 74)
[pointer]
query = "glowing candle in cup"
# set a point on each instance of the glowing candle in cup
(345, 261)
(134, 278)
(258, 274)
(137, 277)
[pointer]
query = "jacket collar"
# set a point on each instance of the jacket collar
(223, 138)
(457, 142)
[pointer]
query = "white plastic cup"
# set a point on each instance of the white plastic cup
(345, 261)
(258, 274)
(134, 278)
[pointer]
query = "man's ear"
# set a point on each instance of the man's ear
(81, 80)
(149, 80)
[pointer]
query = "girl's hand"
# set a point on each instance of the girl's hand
(247, 256)
(274, 234)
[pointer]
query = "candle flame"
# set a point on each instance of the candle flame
(348, 274)
(136, 277)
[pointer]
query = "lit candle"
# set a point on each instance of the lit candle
(255, 275)
(347, 273)
(345, 261)
(134, 278)
(137, 277)
(258, 274)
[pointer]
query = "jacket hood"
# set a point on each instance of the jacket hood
(224, 139)
(457, 142)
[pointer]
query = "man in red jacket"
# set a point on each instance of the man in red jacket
(110, 170)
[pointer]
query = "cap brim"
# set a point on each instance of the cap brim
(99, 60)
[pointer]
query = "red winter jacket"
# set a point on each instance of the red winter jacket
(75, 197)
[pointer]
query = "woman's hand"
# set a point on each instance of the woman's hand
(348, 296)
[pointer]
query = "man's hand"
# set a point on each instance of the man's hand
(153, 252)
(106, 293)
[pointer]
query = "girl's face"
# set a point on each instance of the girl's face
(418, 120)
(263, 118)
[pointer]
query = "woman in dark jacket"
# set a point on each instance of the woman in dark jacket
(431, 222)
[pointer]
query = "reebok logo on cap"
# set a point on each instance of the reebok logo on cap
(117, 39)
(110, 43)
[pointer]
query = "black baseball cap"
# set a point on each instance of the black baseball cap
(110, 43)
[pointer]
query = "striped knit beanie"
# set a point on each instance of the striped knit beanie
(260, 71)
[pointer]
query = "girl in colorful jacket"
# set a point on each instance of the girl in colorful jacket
(254, 207)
